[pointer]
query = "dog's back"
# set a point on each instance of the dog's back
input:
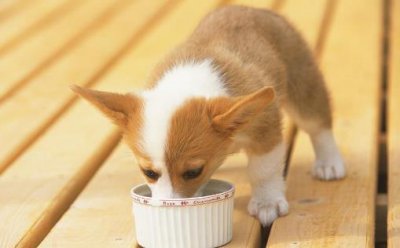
(255, 48)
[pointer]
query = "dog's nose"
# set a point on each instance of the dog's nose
(165, 195)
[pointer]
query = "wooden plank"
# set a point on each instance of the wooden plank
(86, 209)
(15, 12)
(394, 128)
(47, 95)
(19, 66)
(35, 192)
(307, 17)
(31, 19)
(11, 7)
(5, 5)
(30, 190)
(341, 213)
(101, 217)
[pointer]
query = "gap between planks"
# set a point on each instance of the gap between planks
(68, 194)
(13, 8)
(72, 42)
(393, 131)
(295, 224)
(381, 202)
(58, 12)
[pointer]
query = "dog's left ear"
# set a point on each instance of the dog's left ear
(117, 107)
(236, 114)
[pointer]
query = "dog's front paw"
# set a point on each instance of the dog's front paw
(331, 169)
(266, 211)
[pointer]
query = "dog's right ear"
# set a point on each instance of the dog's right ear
(117, 107)
(241, 110)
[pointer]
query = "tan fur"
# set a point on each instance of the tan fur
(243, 110)
(194, 138)
(122, 109)
(253, 50)
(203, 130)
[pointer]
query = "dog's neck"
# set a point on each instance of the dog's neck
(190, 79)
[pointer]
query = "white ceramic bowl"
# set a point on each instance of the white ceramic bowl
(202, 222)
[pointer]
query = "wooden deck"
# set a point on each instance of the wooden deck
(65, 177)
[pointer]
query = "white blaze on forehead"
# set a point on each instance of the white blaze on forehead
(182, 82)
(162, 188)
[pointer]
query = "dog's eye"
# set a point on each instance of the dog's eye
(192, 174)
(151, 174)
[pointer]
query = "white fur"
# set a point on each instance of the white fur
(163, 187)
(329, 164)
(182, 82)
(268, 200)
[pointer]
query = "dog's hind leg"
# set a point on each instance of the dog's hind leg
(307, 103)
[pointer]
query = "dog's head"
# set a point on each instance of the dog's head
(178, 146)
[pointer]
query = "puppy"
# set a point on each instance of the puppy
(219, 92)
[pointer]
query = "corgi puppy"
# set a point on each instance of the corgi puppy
(219, 92)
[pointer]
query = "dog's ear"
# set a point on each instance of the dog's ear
(117, 107)
(241, 110)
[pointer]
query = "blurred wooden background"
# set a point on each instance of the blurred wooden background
(65, 179)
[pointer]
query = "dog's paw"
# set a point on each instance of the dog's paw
(266, 211)
(329, 169)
